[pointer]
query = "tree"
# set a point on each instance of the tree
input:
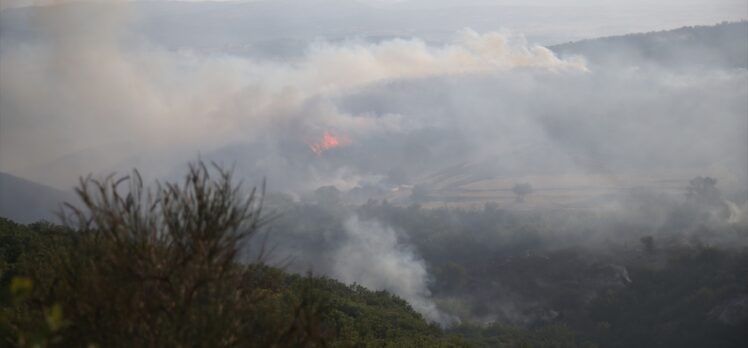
(648, 244)
(704, 197)
(703, 190)
(521, 190)
(161, 268)
(158, 267)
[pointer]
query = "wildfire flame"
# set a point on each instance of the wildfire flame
(328, 141)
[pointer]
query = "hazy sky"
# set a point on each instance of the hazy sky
(728, 7)
(413, 90)
(545, 21)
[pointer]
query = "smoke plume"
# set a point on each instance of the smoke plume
(371, 255)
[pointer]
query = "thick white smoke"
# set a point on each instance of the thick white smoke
(371, 255)
(86, 93)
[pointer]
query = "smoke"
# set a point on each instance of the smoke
(85, 92)
(334, 241)
(92, 95)
(371, 255)
(501, 264)
(456, 121)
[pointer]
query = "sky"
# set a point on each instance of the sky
(545, 21)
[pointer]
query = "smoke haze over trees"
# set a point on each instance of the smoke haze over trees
(481, 173)
(514, 109)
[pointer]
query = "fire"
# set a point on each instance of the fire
(328, 141)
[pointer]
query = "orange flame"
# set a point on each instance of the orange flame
(328, 141)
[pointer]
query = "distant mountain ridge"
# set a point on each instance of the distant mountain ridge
(26, 201)
(283, 28)
(722, 45)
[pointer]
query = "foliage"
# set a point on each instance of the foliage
(134, 267)
(294, 311)
(680, 304)
(590, 279)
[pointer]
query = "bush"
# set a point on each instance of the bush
(160, 268)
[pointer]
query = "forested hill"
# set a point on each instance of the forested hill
(291, 310)
(721, 45)
(688, 301)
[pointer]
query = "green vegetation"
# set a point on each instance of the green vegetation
(164, 268)
(287, 310)
(161, 268)
(672, 274)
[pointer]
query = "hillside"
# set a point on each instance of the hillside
(722, 45)
(374, 173)
(506, 276)
(26, 201)
(332, 314)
